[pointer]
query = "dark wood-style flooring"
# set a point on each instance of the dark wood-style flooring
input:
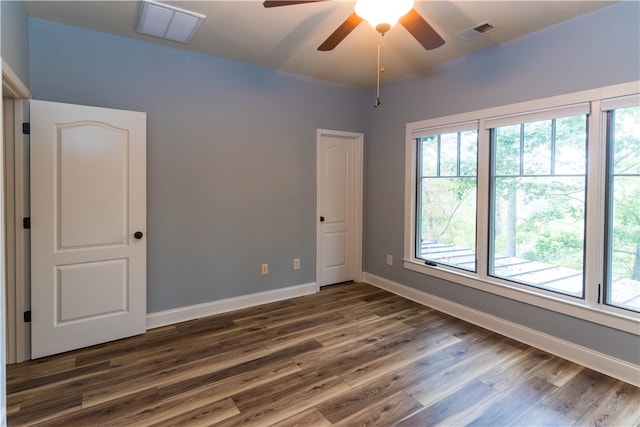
(350, 355)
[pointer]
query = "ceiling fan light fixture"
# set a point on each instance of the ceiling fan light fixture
(383, 14)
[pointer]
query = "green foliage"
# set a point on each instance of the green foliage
(540, 195)
(625, 187)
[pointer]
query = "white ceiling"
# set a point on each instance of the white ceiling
(287, 38)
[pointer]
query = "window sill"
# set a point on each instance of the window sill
(600, 314)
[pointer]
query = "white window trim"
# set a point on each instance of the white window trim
(588, 308)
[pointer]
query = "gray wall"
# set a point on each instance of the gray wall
(14, 35)
(598, 49)
(231, 156)
(232, 160)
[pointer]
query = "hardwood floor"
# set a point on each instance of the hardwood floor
(349, 355)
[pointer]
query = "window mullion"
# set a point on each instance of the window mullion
(553, 147)
(521, 171)
(439, 151)
(595, 206)
(483, 201)
(458, 143)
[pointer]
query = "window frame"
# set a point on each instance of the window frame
(554, 114)
(608, 107)
(438, 132)
(593, 306)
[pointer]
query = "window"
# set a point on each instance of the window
(538, 187)
(538, 202)
(622, 263)
(447, 199)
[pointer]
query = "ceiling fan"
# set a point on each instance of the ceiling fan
(374, 11)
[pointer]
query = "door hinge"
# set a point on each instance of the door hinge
(27, 316)
(26, 223)
(26, 128)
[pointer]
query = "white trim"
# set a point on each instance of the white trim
(17, 255)
(10, 229)
(358, 139)
(3, 345)
(12, 86)
(620, 369)
(183, 314)
(623, 320)
(621, 102)
(622, 89)
(534, 116)
(448, 128)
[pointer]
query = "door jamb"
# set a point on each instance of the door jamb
(358, 139)
(16, 207)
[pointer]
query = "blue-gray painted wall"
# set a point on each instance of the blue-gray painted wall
(232, 151)
(595, 50)
(231, 156)
(14, 38)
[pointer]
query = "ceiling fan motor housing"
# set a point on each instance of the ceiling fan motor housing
(383, 27)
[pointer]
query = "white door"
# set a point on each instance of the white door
(88, 225)
(339, 204)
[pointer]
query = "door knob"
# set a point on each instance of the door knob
(321, 219)
(138, 235)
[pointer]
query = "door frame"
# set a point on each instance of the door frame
(358, 139)
(16, 243)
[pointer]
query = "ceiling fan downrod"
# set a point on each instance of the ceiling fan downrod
(379, 72)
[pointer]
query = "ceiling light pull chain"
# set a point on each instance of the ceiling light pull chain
(379, 72)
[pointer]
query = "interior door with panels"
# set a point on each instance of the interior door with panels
(88, 225)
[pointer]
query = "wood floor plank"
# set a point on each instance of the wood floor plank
(17, 386)
(177, 400)
(383, 413)
(138, 378)
(422, 349)
(210, 414)
(344, 405)
(37, 410)
(542, 415)
(351, 354)
(592, 385)
(615, 405)
(557, 371)
(510, 373)
(472, 395)
(459, 371)
(308, 418)
(287, 401)
(215, 376)
(511, 406)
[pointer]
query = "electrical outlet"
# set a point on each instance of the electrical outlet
(389, 259)
(296, 263)
(264, 269)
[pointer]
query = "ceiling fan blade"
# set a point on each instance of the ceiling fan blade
(421, 30)
(288, 3)
(340, 33)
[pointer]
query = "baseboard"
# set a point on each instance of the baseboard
(182, 314)
(592, 359)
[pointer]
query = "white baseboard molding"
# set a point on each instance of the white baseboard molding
(183, 314)
(592, 359)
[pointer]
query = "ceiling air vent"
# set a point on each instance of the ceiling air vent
(478, 30)
(168, 22)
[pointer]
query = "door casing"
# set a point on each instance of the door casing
(15, 93)
(358, 167)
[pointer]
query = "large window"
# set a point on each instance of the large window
(447, 199)
(623, 213)
(538, 202)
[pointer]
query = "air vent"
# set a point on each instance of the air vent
(168, 22)
(478, 30)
